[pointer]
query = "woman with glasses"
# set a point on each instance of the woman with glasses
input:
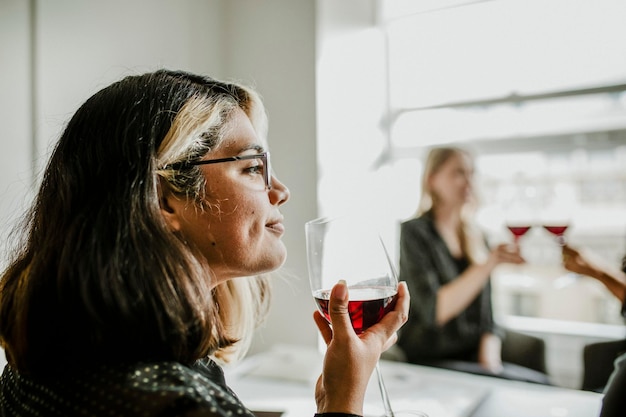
(143, 260)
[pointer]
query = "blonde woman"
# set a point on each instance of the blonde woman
(447, 266)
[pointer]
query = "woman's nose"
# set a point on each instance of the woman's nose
(279, 193)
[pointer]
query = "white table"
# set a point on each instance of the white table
(284, 379)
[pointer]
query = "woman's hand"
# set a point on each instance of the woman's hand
(505, 253)
(613, 279)
(350, 358)
(490, 353)
(573, 261)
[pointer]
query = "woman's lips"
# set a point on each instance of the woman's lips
(276, 227)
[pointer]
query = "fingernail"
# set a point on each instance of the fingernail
(341, 291)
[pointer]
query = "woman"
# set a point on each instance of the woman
(128, 285)
(447, 267)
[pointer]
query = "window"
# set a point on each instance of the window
(537, 89)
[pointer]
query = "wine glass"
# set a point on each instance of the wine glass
(518, 230)
(520, 209)
(556, 217)
(351, 250)
(558, 230)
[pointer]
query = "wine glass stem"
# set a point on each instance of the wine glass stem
(383, 392)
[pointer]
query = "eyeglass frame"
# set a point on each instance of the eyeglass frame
(264, 157)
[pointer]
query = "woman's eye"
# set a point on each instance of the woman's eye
(256, 169)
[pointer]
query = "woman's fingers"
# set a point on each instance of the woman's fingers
(569, 253)
(574, 261)
(390, 342)
(323, 326)
(507, 253)
(338, 311)
(386, 329)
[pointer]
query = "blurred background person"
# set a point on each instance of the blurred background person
(447, 265)
(614, 401)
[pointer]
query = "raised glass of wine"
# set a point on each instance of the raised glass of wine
(351, 249)
(558, 230)
(518, 230)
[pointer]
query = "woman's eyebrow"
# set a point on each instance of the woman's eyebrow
(252, 146)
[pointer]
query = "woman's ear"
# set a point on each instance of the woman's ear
(170, 207)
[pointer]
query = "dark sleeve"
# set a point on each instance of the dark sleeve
(487, 324)
(614, 401)
(418, 269)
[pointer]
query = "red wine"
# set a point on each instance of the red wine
(556, 230)
(367, 305)
(518, 231)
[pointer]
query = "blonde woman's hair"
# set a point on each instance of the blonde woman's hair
(472, 244)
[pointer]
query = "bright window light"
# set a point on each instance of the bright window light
(496, 48)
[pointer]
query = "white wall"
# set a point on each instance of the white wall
(15, 132)
(83, 46)
(272, 43)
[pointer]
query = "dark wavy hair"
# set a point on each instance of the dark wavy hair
(99, 276)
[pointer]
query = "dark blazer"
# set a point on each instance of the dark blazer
(426, 264)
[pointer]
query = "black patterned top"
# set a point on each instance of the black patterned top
(164, 389)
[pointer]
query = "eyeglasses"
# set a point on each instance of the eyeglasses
(264, 157)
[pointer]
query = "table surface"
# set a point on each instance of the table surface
(283, 380)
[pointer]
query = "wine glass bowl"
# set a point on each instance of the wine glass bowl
(367, 305)
(518, 230)
(558, 231)
(350, 250)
